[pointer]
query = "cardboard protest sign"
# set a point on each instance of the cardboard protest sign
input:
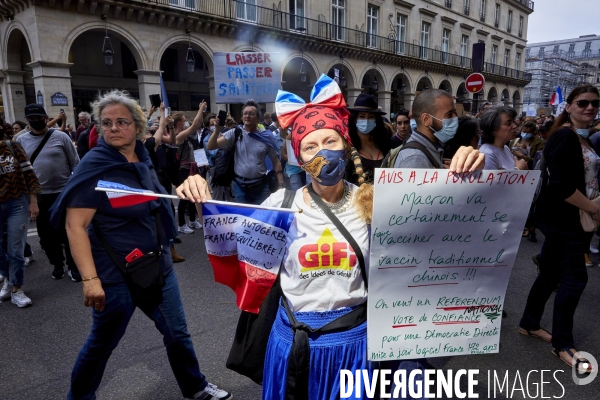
(243, 76)
(442, 249)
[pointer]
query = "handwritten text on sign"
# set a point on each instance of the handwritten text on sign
(442, 248)
(243, 76)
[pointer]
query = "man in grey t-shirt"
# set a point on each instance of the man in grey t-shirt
(250, 185)
(53, 166)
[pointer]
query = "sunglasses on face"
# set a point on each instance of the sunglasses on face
(584, 103)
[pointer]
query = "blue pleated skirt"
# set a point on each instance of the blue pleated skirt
(329, 354)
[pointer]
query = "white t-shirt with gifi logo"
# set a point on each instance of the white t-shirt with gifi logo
(320, 269)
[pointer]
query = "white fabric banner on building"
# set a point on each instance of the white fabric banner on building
(243, 76)
(442, 249)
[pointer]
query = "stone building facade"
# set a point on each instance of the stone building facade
(391, 48)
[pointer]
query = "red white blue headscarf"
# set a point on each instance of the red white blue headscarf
(326, 110)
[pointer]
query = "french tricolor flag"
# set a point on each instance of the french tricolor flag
(119, 199)
(557, 97)
(245, 247)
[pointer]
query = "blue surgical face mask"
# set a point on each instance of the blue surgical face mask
(526, 136)
(584, 133)
(327, 167)
(449, 127)
(365, 126)
(413, 125)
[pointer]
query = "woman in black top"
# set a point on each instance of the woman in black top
(369, 137)
(572, 168)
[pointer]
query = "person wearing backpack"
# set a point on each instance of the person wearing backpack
(437, 122)
(19, 187)
(251, 145)
(54, 158)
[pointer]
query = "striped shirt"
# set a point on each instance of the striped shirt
(16, 173)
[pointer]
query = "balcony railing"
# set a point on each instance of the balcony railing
(505, 71)
(496, 23)
(251, 14)
(448, 3)
(508, 29)
(526, 3)
(521, 34)
(466, 10)
(482, 17)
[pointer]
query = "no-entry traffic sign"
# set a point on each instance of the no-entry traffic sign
(475, 83)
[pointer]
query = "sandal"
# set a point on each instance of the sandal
(525, 232)
(586, 366)
(527, 332)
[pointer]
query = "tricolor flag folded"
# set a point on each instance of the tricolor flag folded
(245, 247)
(119, 200)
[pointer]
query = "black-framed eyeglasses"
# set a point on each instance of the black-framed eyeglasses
(121, 124)
(584, 103)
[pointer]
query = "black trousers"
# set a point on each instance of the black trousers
(53, 240)
(183, 175)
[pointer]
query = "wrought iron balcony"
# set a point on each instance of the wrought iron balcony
(496, 23)
(482, 17)
(521, 34)
(466, 10)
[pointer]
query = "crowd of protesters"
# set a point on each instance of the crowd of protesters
(156, 150)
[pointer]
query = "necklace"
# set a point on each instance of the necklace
(337, 207)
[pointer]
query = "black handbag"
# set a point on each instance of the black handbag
(143, 275)
(249, 347)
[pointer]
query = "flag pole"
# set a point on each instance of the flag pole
(170, 196)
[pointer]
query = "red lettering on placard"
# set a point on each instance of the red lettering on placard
(259, 72)
(412, 177)
(268, 72)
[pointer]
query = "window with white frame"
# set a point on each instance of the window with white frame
(297, 15)
(467, 7)
(246, 10)
(496, 15)
(464, 49)
(445, 45)
(518, 62)
(482, 10)
(425, 30)
(401, 33)
(506, 57)
(338, 18)
(372, 19)
(521, 21)
(509, 22)
(494, 53)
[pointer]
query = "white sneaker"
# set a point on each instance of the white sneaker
(29, 260)
(594, 248)
(185, 229)
(20, 299)
(195, 224)
(5, 291)
(212, 392)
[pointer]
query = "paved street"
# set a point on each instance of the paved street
(40, 344)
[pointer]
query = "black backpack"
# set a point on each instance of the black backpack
(223, 172)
